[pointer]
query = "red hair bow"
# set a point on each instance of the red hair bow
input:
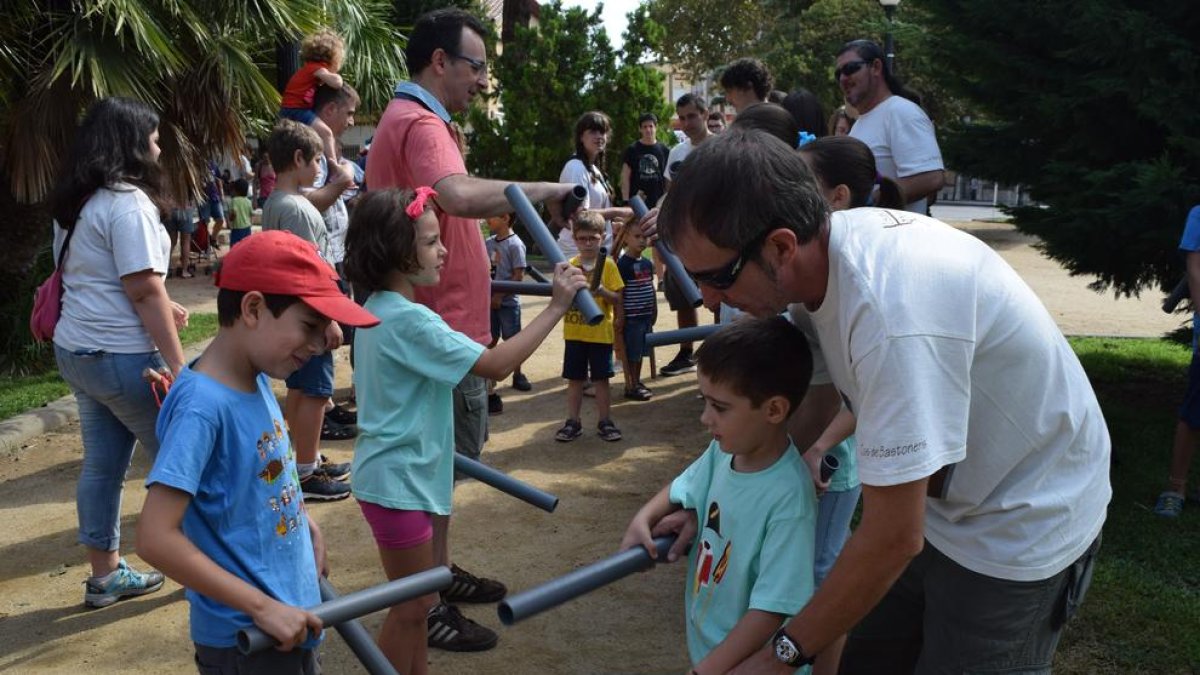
(417, 206)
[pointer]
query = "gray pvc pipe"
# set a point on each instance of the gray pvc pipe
(690, 292)
(522, 288)
(536, 275)
(505, 483)
(584, 301)
(674, 337)
(583, 580)
(829, 465)
(358, 639)
(359, 603)
(573, 201)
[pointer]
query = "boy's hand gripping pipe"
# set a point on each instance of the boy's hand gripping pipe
(505, 483)
(583, 580)
(678, 273)
(584, 301)
(360, 603)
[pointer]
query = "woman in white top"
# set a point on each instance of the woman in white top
(586, 168)
(116, 321)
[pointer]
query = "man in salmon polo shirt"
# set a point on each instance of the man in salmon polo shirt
(415, 145)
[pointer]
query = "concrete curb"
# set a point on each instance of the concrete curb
(18, 430)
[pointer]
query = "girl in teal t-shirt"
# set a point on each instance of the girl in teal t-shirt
(405, 372)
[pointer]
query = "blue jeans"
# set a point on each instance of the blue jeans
(834, 511)
(116, 409)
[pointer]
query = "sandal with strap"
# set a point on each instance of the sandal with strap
(608, 431)
(569, 431)
(341, 415)
(1169, 505)
(332, 431)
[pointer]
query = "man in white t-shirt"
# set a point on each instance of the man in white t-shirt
(982, 450)
(898, 132)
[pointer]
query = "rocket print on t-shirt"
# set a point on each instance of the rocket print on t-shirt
(283, 502)
(710, 565)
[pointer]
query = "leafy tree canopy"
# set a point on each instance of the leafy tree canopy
(1090, 105)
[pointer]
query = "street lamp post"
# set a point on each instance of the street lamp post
(889, 8)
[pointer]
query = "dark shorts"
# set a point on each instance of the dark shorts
(231, 661)
(940, 617)
(180, 221)
(506, 322)
(676, 300)
(1189, 412)
(211, 209)
(635, 332)
(238, 233)
(583, 358)
(315, 377)
(304, 116)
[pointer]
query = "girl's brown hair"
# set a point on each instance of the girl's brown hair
(845, 160)
(381, 239)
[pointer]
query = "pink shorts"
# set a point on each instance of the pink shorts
(395, 528)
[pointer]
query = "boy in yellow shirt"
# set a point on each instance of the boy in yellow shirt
(589, 349)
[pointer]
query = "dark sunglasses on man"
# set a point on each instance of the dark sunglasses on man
(722, 278)
(849, 68)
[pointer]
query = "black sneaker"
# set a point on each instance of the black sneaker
(682, 363)
(335, 470)
(521, 383)
(467, 587)
(318, 487)
(495, 405)
(448, 629)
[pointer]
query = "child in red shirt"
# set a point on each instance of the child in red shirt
(323, 53)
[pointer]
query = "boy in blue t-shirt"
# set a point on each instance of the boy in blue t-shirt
(1187, 429)
(751, 563)
(224, 515)
(640, 305)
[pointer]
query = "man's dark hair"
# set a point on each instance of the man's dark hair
(229, 305)
(870, 51)
(326, 95)
(439, 29)
(746, 73)
(739, 184)
(771, 118)
(647, 117)
(692, 99)
(381, 239)
(758, 358)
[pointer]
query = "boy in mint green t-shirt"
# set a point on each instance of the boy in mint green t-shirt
(750, 567)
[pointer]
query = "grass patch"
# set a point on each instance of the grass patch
(19, 393)
(1142, 614)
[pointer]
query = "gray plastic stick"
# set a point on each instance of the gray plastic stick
(584, 301)
(674, 337)
(678, 273)
(358, 639)
(522, 288)
(583, 580)
(829, 465)
(573, 201)
(536, 274)
(505, 483)
(359, 603)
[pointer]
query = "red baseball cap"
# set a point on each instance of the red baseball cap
(280, 263)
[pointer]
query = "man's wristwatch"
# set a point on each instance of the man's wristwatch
(789, 651)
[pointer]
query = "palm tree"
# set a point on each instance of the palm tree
(206, 65)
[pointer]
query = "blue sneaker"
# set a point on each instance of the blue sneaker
(123, 582)
(1169, 505)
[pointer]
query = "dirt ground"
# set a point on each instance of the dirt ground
(634, 626)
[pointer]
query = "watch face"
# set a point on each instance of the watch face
(784, 649)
